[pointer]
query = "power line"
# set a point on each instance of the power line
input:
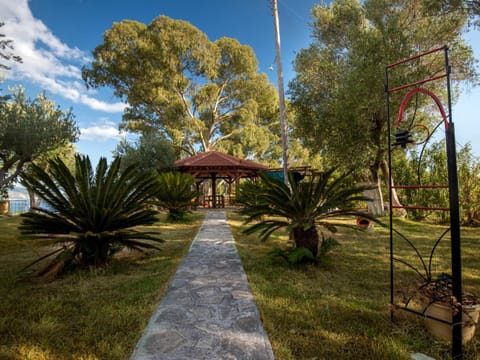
(296, 14)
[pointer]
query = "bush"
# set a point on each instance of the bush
(175, 194)
(303, 208)
(89, 215)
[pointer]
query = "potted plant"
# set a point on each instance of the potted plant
(434, 298)
(439, 303)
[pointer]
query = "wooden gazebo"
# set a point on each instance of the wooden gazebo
(215, 165)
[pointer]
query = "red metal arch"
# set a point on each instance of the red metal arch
(427, 92)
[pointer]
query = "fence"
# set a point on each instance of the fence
(18, 206)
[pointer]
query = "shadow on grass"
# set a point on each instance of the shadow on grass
(96, 314)
(340, 311)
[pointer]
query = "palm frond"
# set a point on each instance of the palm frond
(56, 251)
(175, 193)
(95, 212)
(270, 205)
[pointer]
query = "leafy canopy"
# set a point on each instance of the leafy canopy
(338, 92)
(430, 167)
(28, 129)
(151, 152)
(201, 95)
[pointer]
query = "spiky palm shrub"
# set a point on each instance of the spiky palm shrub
(304, 209)
(248, 193)
(90, 214)
(175, 193)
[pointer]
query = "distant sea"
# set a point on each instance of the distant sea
(18, 193)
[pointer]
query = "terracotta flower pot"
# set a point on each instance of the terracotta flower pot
(364, 223)
(444, 331)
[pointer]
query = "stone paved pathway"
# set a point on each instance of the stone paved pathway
(208, 311)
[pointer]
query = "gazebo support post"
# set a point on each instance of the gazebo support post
(214, 190)
(199, 199)
(213, 165)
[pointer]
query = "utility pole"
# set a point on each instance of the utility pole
(281, 94)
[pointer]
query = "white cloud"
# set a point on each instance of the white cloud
(103, 131)
(47, 61)
(101, 105)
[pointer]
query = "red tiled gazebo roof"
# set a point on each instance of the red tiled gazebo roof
(214, 160)
(216, 165)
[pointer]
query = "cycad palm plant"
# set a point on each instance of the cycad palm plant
(90, 214)
(303, 208)
(175, 193)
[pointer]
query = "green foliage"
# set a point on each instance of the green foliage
(175, 193)
(202, 95)
(430, 168)
(248, 192)
(427, 168)
(66, 153)
(326, 246)
(469, 7)
(91, 215)
(303, 208)
(338, 91)
(293, 256)
(469, 186)
(28, 129)
(301, 255)
(151, 152)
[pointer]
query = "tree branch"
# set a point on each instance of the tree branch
(7, 179)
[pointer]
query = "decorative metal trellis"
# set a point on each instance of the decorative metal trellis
(404, 135)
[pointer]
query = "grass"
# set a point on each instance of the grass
(335, 311)
(96, 314)
(341, 311)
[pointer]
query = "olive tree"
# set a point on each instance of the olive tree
(28, 129)
(338, 91)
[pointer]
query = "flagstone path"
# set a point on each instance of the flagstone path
(208, 311)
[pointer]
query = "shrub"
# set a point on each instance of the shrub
(303, 208)
(175, 193)
(89, 215)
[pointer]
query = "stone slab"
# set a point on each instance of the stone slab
(208, 311)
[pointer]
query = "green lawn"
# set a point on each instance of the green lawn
(97, 314)
(341, 311)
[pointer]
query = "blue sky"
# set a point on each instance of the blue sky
(56, 37)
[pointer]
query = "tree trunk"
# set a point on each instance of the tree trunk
(395, 199)
(376, 206)
(34, 201)
(307, 238)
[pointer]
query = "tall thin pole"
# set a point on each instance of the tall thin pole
(281, 94)
(390, 195)
(457, 352)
